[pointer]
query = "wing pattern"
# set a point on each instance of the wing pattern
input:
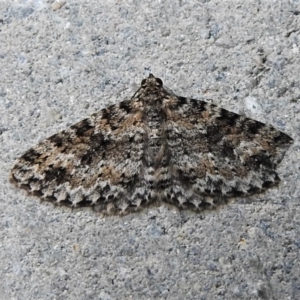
(156, 147)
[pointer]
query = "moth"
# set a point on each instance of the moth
(154, 148)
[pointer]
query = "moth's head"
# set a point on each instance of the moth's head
(151, 81)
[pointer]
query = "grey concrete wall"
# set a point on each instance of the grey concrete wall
(59, 64)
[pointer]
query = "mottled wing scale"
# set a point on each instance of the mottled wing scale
(219, 154)
(156, 147)
(94, 162)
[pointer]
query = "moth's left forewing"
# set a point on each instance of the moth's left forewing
(96, 159)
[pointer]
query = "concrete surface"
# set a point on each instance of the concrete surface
(58, 64)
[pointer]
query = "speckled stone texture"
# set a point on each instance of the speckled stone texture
(60, 63)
